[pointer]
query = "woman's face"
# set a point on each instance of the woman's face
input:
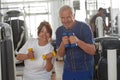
(44, 34)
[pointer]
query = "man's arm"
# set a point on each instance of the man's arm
(88, 48)
(61, 50)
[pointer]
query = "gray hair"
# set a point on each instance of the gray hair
(66, 7)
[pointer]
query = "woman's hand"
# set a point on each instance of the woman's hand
(30, 55)
(49, 56)
(49, 64)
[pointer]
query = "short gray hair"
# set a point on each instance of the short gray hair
(66, 7)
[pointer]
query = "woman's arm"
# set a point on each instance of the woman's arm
(21, 57)
(49, 65)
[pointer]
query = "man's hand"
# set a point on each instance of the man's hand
(65, 40)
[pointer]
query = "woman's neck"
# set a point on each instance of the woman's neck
(42, 43)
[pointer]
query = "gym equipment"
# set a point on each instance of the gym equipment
(53, 54)
(7, 64)
(109, 62)
(18, 28)
(31, 50)
(69, 45)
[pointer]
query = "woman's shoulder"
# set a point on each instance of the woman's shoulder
(49, 44)
(32, 40)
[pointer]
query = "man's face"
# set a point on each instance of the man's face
(67, 19)
(101, 13)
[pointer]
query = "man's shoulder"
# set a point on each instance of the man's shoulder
(60, 28)
(93, 17)
(81, 23)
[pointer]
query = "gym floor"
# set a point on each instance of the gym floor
(58, 71)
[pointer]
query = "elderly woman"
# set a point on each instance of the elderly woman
(37, 68)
